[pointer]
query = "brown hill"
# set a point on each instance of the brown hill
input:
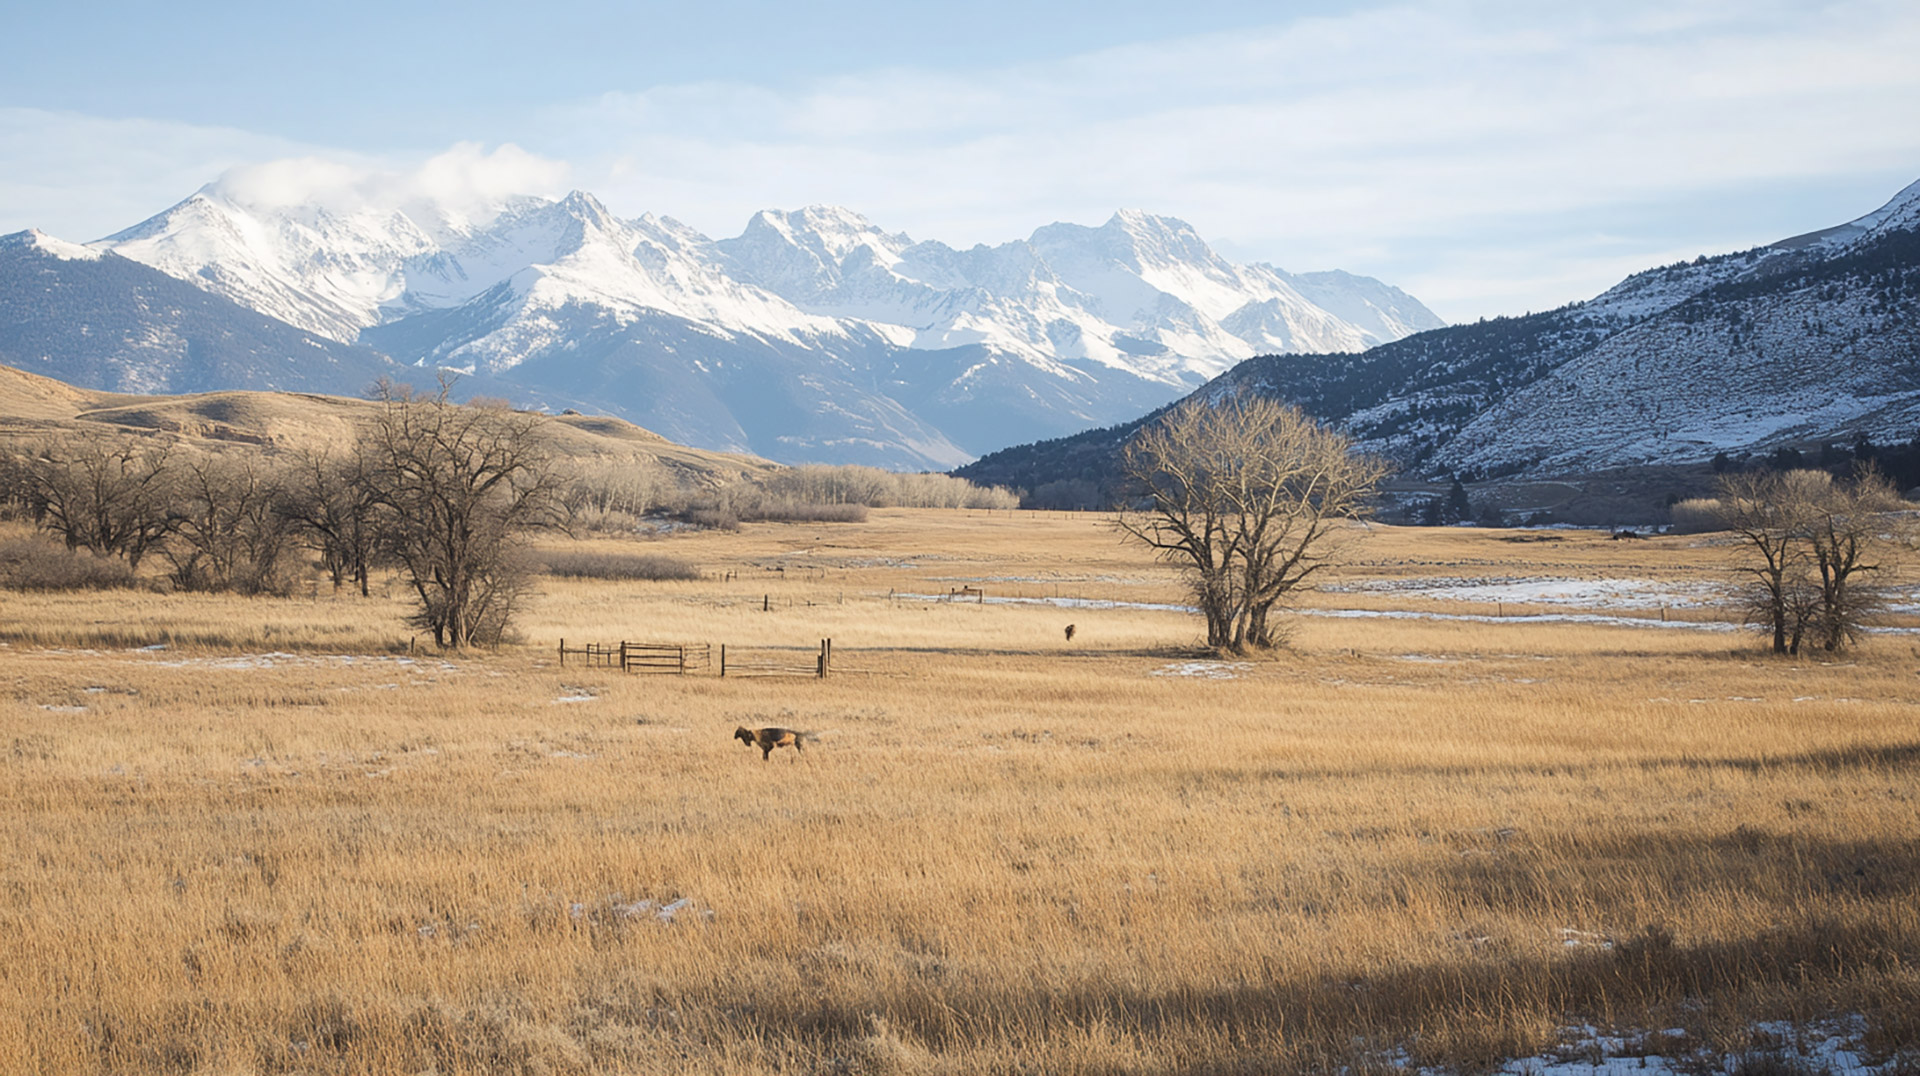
(289, 421)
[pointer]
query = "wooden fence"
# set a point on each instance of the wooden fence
(679, 658)
(777, 661)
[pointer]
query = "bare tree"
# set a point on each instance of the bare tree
(458, 486)
(226, 530)
(1808, 542)
(1851, 528)
(1768, 511)
(1246, 495)
(331, 502)
(104, 493)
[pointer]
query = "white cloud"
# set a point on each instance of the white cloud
(1488, 156)
(81, 177)
(466, 179)
(1340, 141)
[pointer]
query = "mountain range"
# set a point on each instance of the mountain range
(813, 335)
(1805, 341)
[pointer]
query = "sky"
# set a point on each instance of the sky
(1488, 157)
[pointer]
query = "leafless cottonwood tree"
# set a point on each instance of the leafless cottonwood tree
(226, 530)
(331, 503)
(1809, 544)
(1246, 495)
(458, 486)
(1854, 527)
(110, 494)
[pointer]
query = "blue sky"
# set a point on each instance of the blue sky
(1489, 157)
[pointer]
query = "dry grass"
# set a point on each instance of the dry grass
(1010, 854)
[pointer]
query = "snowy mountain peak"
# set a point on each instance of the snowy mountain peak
(587, 209)
(36, 240)
(1078, 325)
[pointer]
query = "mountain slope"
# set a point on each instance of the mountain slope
(107, 322)
(1811, 339)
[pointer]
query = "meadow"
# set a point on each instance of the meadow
(278, 835)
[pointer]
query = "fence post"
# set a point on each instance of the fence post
(563, 652)
(683, 659)
(820, 663)
(829, 661)
(623, 655)
(723, 660)
(766, 603)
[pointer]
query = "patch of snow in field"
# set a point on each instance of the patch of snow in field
(1206, 670)
(1831, 1047)
(1043, 580)
(1584, 593)
(1530, 618)
(1573, 938)
(1824, 1048)
(51, 708)
(576, 694)
(1058, 603)
(1399, 614)
(617, 908)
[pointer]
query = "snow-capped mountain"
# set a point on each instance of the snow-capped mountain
(1808, 340)
(1815, 337)
(97, 320)
(812, 335)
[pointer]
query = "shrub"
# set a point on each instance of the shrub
(1695, 515)
(719, 519)
(590, 564)
(870, 486)
(782, 510)
(39, 564)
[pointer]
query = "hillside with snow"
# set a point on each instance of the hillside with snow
(1809, 340)
(812, 335)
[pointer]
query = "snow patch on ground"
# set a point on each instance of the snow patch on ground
(1831, 1047)
(617, 909)
(1058, 603)
(1584, 593)
(1531, 618)
(1206, 670)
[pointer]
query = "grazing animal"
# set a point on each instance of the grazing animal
(769, 738)
(1069, 632)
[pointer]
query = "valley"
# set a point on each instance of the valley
(270, 834)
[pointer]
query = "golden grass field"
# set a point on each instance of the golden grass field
(282, 845)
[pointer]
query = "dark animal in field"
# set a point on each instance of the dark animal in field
(769, 738)
(1069, 632)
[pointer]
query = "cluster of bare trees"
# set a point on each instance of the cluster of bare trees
(1813, 549)
(874, 488)
(220, 521)
(443, 492)
(1246, 495)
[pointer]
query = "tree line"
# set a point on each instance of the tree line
(442, 492)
